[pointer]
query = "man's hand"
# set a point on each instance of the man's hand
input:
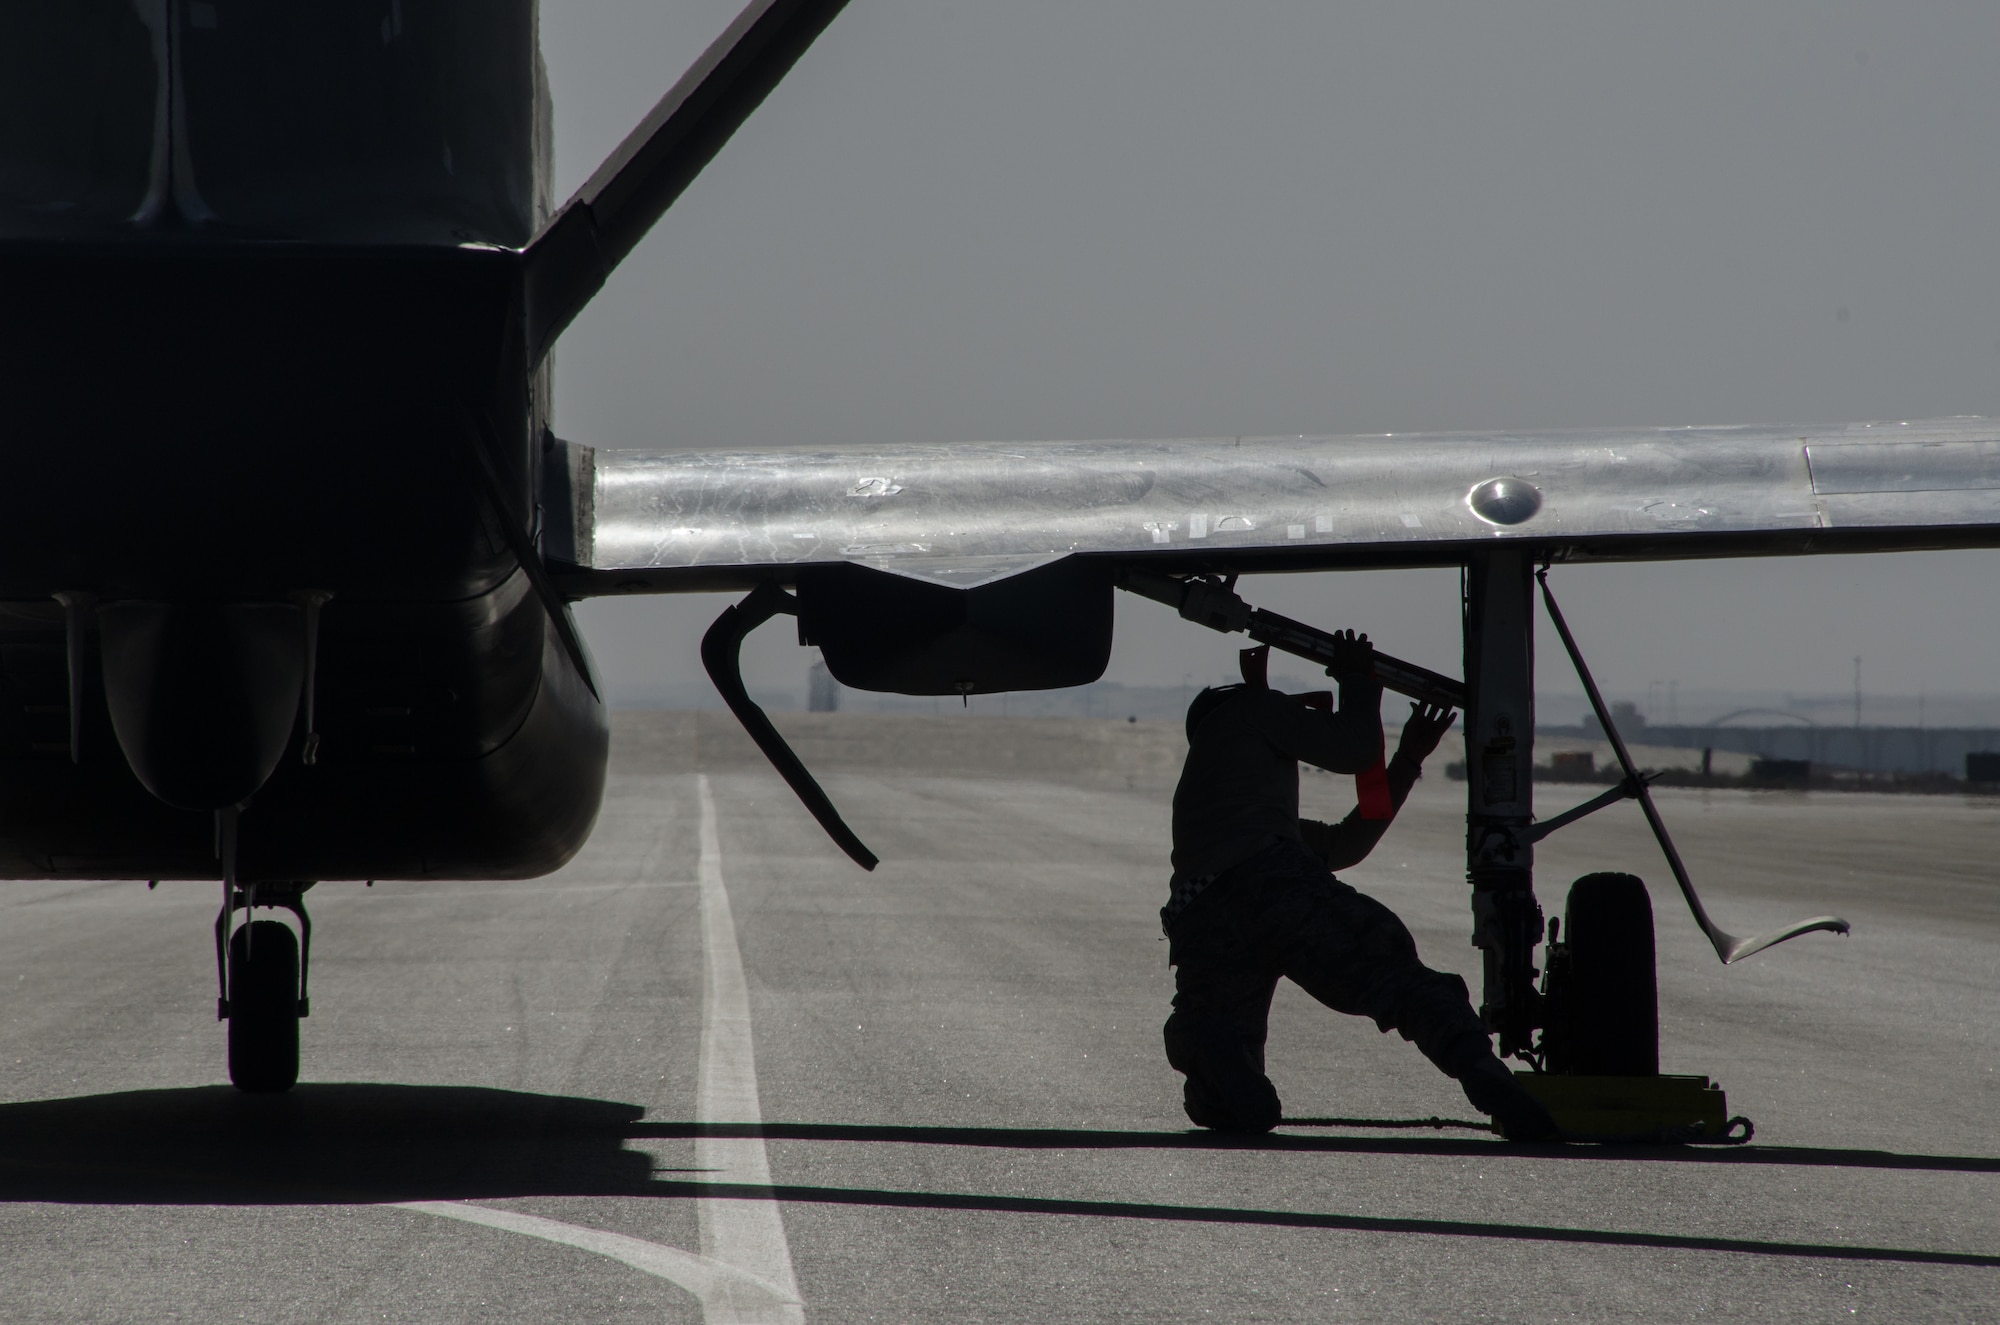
(1353, 656)
(1427, 725)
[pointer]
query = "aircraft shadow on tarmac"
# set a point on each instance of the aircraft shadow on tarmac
(318, 1143)
(362, 1143)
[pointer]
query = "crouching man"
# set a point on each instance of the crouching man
(1254, 899)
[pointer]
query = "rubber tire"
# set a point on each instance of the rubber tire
(264, 1007)
(1613, 987)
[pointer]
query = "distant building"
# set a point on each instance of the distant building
(1952, 750)
(1625, 715)
(822, 691)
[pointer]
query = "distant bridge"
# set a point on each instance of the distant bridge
(1764, 713)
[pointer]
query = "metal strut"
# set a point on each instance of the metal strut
(1214, 603)
(1624, 791)
(246, 897)
(1507, 920)
(721, 654)
(1727, 946)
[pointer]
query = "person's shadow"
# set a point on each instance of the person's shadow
(318, 1143)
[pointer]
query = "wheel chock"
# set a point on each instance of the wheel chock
(1666, 1109)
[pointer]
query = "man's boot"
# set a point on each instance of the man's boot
(1519, 1115)
(1224, 1091)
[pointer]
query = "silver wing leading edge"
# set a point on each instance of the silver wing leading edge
(964, 515)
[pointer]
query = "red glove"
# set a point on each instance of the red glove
(1371, 790)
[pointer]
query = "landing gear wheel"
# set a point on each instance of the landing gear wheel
(264, 1007)
(1605, 1000)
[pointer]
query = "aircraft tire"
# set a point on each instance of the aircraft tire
(264, 1007)
(1613, 985)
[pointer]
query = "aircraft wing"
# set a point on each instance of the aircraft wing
(971, 514)
(988, 567)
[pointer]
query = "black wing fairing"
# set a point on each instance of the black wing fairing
(1040, 630)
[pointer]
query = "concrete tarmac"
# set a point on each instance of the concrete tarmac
(538, 1101)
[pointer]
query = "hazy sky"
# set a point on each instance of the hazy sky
(1153, 218)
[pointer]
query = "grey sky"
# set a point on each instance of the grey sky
(1122, 218)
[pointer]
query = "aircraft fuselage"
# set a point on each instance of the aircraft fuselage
(261, 332)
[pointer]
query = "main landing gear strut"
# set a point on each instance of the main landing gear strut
(1596, 1063)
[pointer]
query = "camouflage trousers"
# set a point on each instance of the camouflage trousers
(1281, 914)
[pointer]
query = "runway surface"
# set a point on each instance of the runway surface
(540, 1101)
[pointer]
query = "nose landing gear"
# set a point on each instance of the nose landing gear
(261, 969)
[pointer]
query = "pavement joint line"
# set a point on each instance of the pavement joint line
(743, 1274)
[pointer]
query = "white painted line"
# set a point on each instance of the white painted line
(748, 1234)
(711, 1281)
(744, 1274)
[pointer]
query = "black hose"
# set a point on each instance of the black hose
(721, 650)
